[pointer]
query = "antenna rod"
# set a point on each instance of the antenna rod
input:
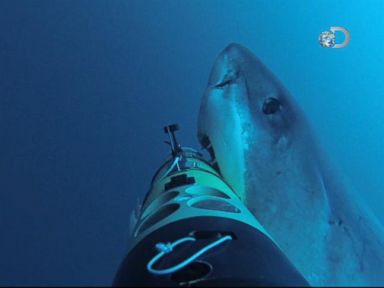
(170, 130)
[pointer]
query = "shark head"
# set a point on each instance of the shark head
(257, 136)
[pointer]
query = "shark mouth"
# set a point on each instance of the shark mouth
(207, 145)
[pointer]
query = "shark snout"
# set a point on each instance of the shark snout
(227, 65)
(234, 50)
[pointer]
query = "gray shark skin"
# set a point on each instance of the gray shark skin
(265, 150)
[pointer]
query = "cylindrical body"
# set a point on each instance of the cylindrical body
(189, 198)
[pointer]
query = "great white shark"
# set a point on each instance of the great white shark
(261, 143)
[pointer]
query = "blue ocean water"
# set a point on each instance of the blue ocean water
(86, 87)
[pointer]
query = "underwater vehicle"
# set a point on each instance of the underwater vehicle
(194, 230)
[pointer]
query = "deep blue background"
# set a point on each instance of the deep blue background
(86, 87)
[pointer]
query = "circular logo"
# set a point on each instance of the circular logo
(327, 39)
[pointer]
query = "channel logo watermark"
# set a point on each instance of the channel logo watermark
(327, 39)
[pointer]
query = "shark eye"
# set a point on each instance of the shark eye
(271, 105)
